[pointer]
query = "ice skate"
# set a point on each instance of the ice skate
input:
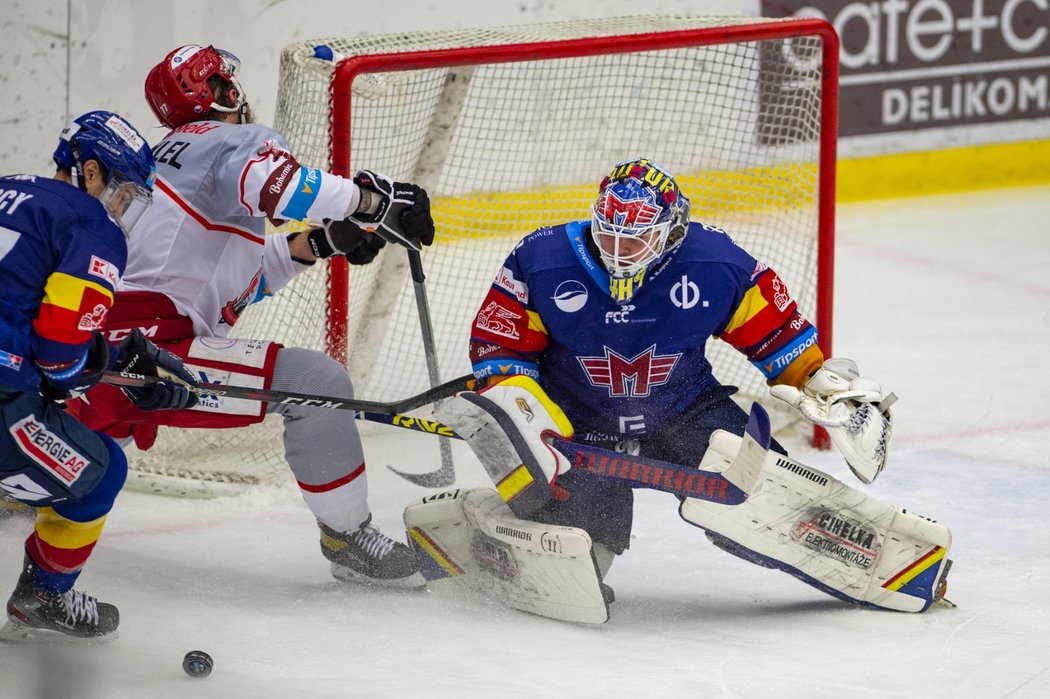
(368, 556)
(32, 611)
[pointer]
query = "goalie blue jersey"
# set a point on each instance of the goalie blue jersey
(629, 366)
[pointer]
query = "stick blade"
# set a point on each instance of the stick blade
(442, 478)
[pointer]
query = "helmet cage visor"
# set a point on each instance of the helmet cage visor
(125, 201)
(627, 249)
(227, 68)
(228, 63)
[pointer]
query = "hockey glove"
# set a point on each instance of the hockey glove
(140, 356)
(55, 385)
(345, 238)
(397, 211)
(852, 409)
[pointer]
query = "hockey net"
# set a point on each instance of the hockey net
(510, 129)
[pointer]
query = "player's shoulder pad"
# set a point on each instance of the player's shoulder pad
(539, 244)
(708, 243)
(66, 205)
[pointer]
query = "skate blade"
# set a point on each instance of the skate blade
(939, 598)
(416, 581)
(15, 632)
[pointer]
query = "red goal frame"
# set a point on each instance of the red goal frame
(349, 68)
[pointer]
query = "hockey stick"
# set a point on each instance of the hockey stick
(445, 390)
(446, 475)
(641, 471)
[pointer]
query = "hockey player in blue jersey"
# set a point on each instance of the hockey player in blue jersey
(543, 341)
(62, 251)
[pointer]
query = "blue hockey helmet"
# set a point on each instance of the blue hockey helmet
(640, 214)
(124, 154)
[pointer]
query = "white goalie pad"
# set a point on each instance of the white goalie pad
(829, 535)
(542, 569)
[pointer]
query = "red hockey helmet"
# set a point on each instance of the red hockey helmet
(177, 88)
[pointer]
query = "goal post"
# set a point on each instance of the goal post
(512, 128)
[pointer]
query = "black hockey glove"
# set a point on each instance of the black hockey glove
(398, 211)
(53, 388)
(140, 356)
(345, 238)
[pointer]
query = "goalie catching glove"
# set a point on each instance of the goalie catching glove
(851, 408)
(396, 211)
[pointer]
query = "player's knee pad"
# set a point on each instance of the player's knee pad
(505, 425)
(831, 536)
(309, 371)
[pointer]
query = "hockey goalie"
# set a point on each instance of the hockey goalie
(580, 409)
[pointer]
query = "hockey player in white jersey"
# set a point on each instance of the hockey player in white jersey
(203, 256)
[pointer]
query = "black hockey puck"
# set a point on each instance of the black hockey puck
(197, 663)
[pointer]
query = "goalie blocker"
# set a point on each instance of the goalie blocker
(794, 518)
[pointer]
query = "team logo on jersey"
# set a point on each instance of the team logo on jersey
(781, 298)
(46, 448)
(505, 279)
(232, 310)
(94, 319)
(629, 378)
(570, 296)
(11, 361)
(272, 148)
(498, 320)
(685, 294)
(104, 269)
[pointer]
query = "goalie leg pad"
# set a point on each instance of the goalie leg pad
(543, 569)
(504, 426)
(831, 536)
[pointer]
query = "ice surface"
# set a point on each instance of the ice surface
(946, 300)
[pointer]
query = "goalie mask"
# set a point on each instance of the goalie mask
(122, 152)
(639, 215)
(177, 88)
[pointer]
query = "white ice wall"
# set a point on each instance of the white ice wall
(113, 43)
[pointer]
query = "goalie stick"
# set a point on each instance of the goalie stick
(445, 390)
(731, 487)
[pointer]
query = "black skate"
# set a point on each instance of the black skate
(368, 556)
(32, 611)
